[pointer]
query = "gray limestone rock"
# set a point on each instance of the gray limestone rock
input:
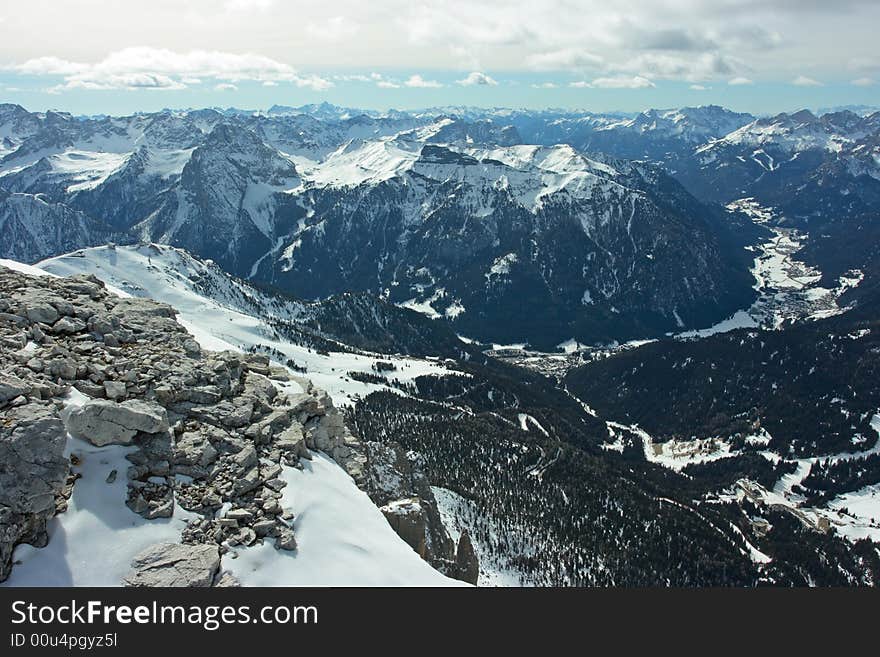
(12, 387)
(169, 564)
(104, 422)
(33, 473)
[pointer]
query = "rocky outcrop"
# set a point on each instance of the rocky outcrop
(109, 423)
(396, 482)
(467, 565)
(407, 517)
(170, 564)
(209, 431)
(33, 471)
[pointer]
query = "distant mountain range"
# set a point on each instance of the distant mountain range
(513, 225)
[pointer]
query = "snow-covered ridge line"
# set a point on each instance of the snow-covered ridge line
(214, 312)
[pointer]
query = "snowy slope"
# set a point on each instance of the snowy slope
(794, 132)
(530, 172)
(343, 539)
(221, 311)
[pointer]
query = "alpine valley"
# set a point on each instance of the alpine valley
(325, 346)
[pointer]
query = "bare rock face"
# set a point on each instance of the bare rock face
(467, 566)
(395, 481)
(104, 422)
(409, 520)
(171, 564)
(326, 431)
(33, 471)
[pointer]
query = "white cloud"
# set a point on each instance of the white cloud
(225, 86)
(129, 81)
(698, 87)
(50, 66)
(419, 82)
(623, 82)
(580, 84)
(864, 82)
(315, 82)
(335, 29)
(692, 41)
(353, 77)
(545, 85)
(387, 84)
(804, 81)
(142, 67)
(690, 67)
(739, 81)
(566, 59)
(477, 79)
(247, 5)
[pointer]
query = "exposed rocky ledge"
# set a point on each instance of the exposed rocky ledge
(210, 431)
(397, 483)
(170, 564)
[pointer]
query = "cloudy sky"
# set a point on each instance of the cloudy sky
(758, 55)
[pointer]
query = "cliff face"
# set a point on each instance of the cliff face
(208, 435)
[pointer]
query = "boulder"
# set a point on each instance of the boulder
(12, 387)
(103, 422)
(39, 312)
(246, 458)
(194, 448)
(33, 468)
(170, 564)
(291, 442)
(191, 347)
(68, 326)
(259, 386)
(114, 390)
(228, 413)
(285, 539)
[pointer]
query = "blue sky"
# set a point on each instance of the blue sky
(87, 56)
(511, 90)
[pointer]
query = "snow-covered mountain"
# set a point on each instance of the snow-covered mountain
(771, 158)
(497, 220)
(226, 201)
(394, 204)
(510, 243)
(656, 134)
(32, 228)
